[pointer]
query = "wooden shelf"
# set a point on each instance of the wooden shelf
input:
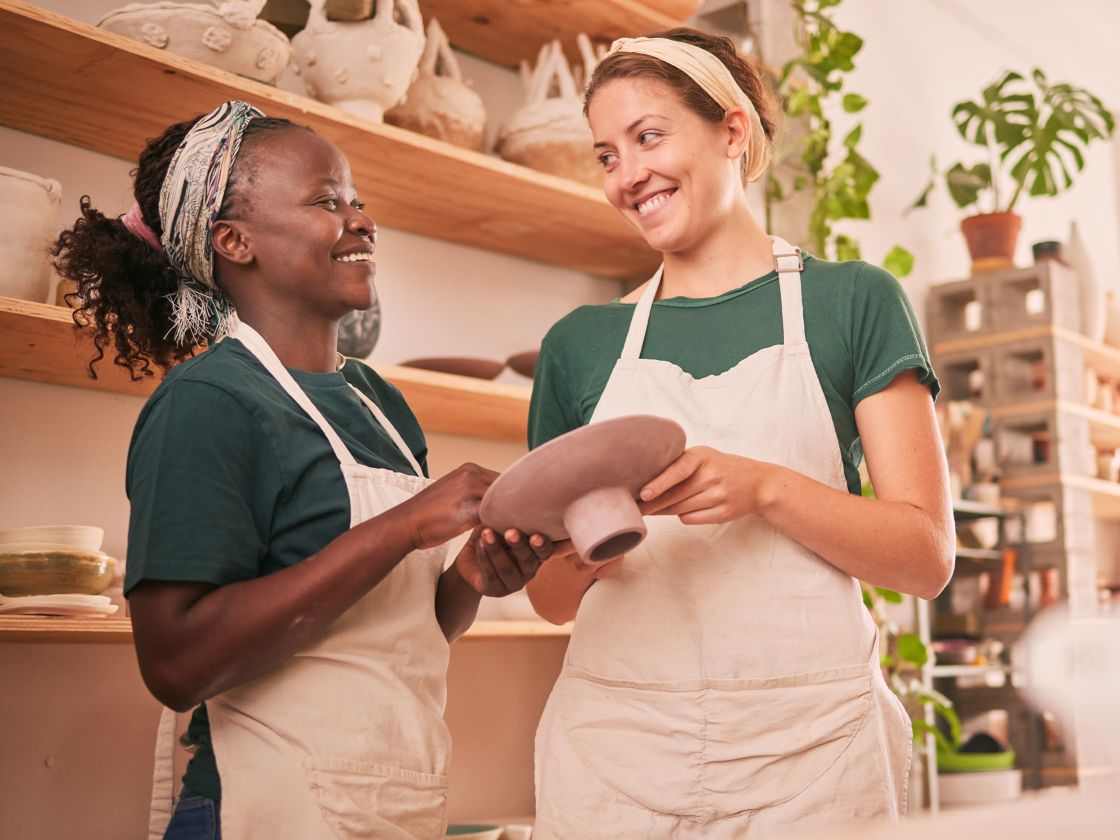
(1106, 494)
(507, 31)
(39, 342)
(86, 87)
(1104, 358)
(109, 629)
(965, 510)
(968, 670)
(1104, 428)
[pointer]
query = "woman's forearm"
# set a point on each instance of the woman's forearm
(456, 603)
(195, 640)
(892, 544)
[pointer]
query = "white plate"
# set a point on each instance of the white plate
(52, 538)
(57, 605)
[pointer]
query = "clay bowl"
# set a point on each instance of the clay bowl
(55, 573)
(524, 363)
(460, 366)
(584, 485)
(83, 538)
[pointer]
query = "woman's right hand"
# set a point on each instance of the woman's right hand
(448, 507)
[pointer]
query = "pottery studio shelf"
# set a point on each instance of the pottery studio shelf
(1103, 358)
(109, 629)
(39, 342)
(507, 31)
(80, 85)
(1105, 494)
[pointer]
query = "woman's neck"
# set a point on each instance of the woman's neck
(309, 344)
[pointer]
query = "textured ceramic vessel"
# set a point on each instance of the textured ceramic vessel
(584, 485)
(28, 218)
(226, 35)
(439, 103)
(524, 363)
(358, 332)
(549, 132)
(55, 573)
(364, 67)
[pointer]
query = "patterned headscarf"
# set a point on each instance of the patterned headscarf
(714, 79)
(189, 202)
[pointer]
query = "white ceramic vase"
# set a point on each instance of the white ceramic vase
(549, 132)
(226, 35)
(29, 218)
(1090, 295)
(364, 67)
(439, 103)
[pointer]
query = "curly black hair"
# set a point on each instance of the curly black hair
(124, 286)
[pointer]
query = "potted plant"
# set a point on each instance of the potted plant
(1034, 133)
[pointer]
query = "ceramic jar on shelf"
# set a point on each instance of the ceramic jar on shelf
(549, 132)
(363, 67)
(28, 216)
(439, 103)
(226, 34)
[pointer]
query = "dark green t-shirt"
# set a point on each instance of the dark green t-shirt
(859, 325)
(229, 480)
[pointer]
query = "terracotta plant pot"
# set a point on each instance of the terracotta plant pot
(229, 36)
(991, 239)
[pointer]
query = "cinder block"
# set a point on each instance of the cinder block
(959, 310)
(966, 375)
(1044, 294)
(1023, 371)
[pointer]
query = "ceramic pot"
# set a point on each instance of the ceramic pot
(363, 67)
(28, 217)
(991, 239)
(549, 132)
(459, 366)
(524, 363)
(439, 103)
(358, 332)
(225, 35)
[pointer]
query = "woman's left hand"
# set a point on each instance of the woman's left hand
(497, 565)
(705, 486)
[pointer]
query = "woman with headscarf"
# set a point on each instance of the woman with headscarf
(286, 551)
(722, 680)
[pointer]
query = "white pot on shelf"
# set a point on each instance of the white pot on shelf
(363, 67)
(28, 216)
(226, 35)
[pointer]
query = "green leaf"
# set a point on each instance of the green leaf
(912, 649)
(846, 248)
(889, 595)
(965, 185)
(898, 261)
(853, 103)
(921, 728)
(853, 136)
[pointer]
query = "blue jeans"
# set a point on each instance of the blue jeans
(195, 818)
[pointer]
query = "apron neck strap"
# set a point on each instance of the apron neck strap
(788, 262)
(256, 345)
(635, 338)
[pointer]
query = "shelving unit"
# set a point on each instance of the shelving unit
(507, 31)
(109, 629)
(38, 342)
(118, 92)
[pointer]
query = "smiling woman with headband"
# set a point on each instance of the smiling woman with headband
(722, 680)
(286, 550)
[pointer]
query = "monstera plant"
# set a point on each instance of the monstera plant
(1034, 133)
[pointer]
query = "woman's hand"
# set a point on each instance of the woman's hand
(498, 566)
(706, 486)
(448, 506)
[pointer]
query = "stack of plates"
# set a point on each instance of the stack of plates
(55, 570)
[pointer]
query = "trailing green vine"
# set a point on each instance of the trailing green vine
(810, 84)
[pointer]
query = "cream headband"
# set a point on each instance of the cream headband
(714, 79)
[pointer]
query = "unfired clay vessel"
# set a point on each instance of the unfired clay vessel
(226, 34)
(28, 218)
(439, 103)
(524, 363)
(584, 485)
(363, 67)
(358, 332)
(459, 365)
(549, 132)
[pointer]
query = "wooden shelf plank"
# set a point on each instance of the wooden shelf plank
(964, 509)
(110, 629)
(1104, 428)
(1106, 494)
(1104, 358)
(118, 92)
(507, 31)
(979, 555)
(38, 342)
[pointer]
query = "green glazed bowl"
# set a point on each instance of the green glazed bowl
(55, 573)
(957, 762)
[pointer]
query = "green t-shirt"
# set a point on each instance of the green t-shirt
(229, 480)
(859, 324)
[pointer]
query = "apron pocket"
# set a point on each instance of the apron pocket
(708, 749)
(359, 799)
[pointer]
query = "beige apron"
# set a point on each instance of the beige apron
(724, 683)
(346, 739)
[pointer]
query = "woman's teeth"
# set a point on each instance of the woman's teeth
(651, 204)
(365, 256)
